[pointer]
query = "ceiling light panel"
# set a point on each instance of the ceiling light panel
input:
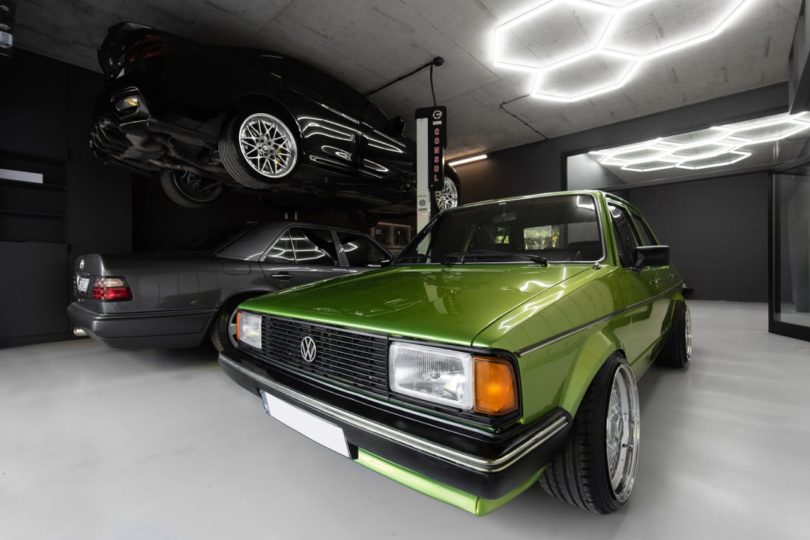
(558, 41)
(551, 32)
(718, 146)
(719, 160)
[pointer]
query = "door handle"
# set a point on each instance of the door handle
(281, 275)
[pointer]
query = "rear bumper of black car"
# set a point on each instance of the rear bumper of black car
(483, 464)
(156, 329)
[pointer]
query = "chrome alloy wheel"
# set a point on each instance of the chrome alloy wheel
(687, 331)
(622, 432)
(447, 197)
(268, 145)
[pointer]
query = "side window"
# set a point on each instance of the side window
(625, 234)
(360, 250)
(314, 247)
(282, 251)
(647, 236)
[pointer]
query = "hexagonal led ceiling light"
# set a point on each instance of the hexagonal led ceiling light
(714, 147)
(616, 61)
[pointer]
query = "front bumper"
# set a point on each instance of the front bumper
(407, 445)
(156, 329)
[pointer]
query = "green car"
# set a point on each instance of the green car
(499, 350)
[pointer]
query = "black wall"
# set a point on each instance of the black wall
(718, 232)
(694, 217)
(46, 108)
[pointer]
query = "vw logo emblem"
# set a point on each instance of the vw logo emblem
(308, 349)
(81, 264)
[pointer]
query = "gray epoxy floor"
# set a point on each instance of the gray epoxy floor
(105, 444)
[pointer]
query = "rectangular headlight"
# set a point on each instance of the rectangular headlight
(249, 329)
(432, 374)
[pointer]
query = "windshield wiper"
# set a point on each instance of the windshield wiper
(460, 257)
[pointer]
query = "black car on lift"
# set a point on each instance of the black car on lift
(175, 300)
(207, 117)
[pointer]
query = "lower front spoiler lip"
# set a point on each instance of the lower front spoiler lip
(486, 466)
(419, 444)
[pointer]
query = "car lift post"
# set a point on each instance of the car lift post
(431, 140)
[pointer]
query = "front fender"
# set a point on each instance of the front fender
(561, 339)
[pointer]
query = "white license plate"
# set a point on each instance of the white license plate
(307, 424)
(82, 284)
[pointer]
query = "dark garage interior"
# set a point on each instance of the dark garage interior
(471, 247)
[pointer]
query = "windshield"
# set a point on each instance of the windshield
(562, 228)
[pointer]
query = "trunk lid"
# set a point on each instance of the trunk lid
(155, 280)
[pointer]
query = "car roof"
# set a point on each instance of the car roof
(254, 242)
(591, 192)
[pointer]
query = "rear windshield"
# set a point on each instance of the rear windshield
(562, 228)
(222, 237)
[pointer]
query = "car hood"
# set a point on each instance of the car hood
(449, 304)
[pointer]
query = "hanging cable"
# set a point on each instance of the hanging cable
(432, 90)
(502, 106)
(435, 62)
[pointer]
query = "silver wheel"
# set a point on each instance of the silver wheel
(232, 328)
(447, 197)
(267, 145)
(687, 332)
(622, 433)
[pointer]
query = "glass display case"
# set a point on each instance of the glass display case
(789, 306)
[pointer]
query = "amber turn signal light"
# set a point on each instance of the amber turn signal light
(495, 386)
(238, 325)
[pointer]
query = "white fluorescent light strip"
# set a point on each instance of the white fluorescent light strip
(729, 142)
(742, 156)
(599, 46)
(467, 160)
(21, 176)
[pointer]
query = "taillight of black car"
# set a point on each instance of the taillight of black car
(130, 43)
(110, 289)
(150, 46)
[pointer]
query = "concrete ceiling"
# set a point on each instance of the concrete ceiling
(369, 42)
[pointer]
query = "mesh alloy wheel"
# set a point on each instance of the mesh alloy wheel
(447, 197)
(622, 432)
(687, 332)
(267, 145)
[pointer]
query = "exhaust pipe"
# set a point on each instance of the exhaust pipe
(79, 332)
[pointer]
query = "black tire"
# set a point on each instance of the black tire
(234, 160)
(578, 475)
(678, 349)
(449, 176)
(220, 329)
(190, 190)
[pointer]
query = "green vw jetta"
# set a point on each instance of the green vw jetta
(500, 349)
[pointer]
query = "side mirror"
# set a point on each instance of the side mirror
(652, 256)
(395, 126)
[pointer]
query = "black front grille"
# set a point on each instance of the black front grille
(353, 358)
